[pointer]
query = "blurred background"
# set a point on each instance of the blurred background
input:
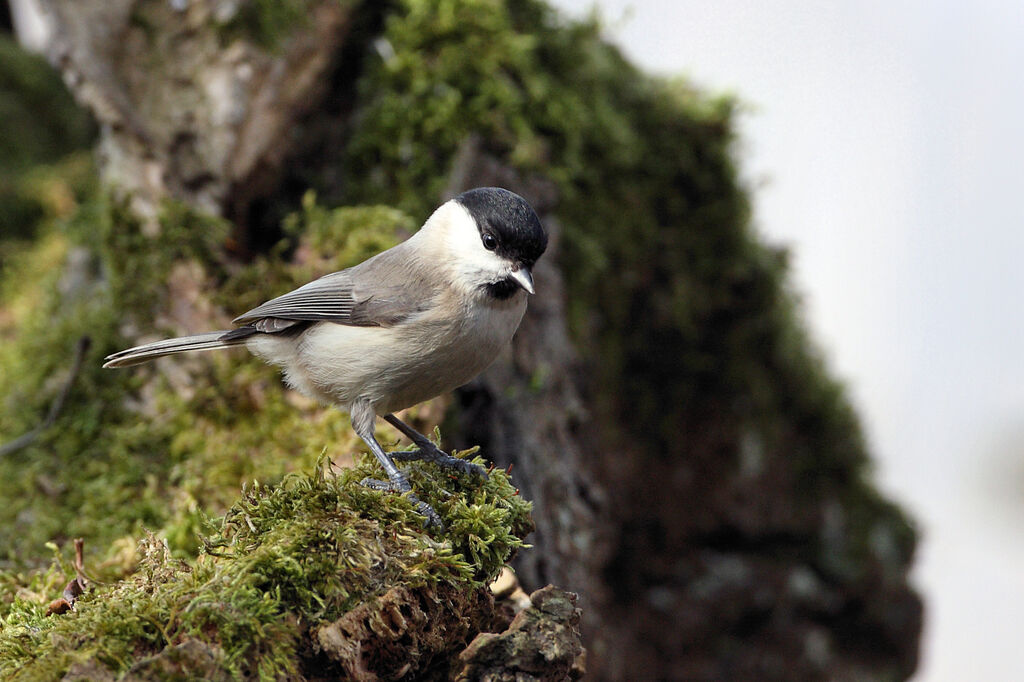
(883, 144)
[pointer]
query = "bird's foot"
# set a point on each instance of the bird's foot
(429, 452)
(431, 517)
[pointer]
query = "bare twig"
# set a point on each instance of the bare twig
(58, 403)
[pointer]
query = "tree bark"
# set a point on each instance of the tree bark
(527, 411)
(191, 105)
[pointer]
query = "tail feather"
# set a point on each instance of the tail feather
(158, 349)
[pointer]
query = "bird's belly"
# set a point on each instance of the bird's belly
(397, 367)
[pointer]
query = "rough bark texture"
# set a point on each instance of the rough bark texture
(526, 409)
(542, 643)
(190, 106)
(403, 633)
(426, 635)
(421, 634)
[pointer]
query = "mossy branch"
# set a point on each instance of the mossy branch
(279, 570)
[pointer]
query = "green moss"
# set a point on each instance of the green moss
(35, 103)
(457, 68)
(267, 22)
(349, 234)
(99, 471)
(282, 560)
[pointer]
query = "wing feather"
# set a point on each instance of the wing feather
(359, 296)
(327, 298)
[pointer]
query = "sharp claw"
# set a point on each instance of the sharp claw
(442, 459)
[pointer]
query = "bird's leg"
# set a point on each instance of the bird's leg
(429, 452)
(362, 422)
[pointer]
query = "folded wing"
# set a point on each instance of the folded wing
(379, 292)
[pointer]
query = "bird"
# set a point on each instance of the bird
(406, 325)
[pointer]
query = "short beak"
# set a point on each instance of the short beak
(523, 278)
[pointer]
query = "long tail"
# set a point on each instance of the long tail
(158, 349)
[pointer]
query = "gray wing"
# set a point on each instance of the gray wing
(327, 298)
(379, 292)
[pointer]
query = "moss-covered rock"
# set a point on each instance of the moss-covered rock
(282, 562)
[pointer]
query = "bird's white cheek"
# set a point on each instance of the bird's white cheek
(465, 251)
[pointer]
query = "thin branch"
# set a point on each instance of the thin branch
(58, 403)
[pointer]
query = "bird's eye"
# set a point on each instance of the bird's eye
(490, 242)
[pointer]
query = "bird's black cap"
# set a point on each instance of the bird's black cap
(510, 218)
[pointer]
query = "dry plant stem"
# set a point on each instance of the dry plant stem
(75, 588)
(58, 404)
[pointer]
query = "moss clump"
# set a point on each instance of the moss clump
(347, 235)
(282, 560)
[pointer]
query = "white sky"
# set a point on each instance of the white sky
(885, 140)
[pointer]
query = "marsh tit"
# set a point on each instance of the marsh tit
(406, 325)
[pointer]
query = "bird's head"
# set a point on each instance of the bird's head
(492, 239)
